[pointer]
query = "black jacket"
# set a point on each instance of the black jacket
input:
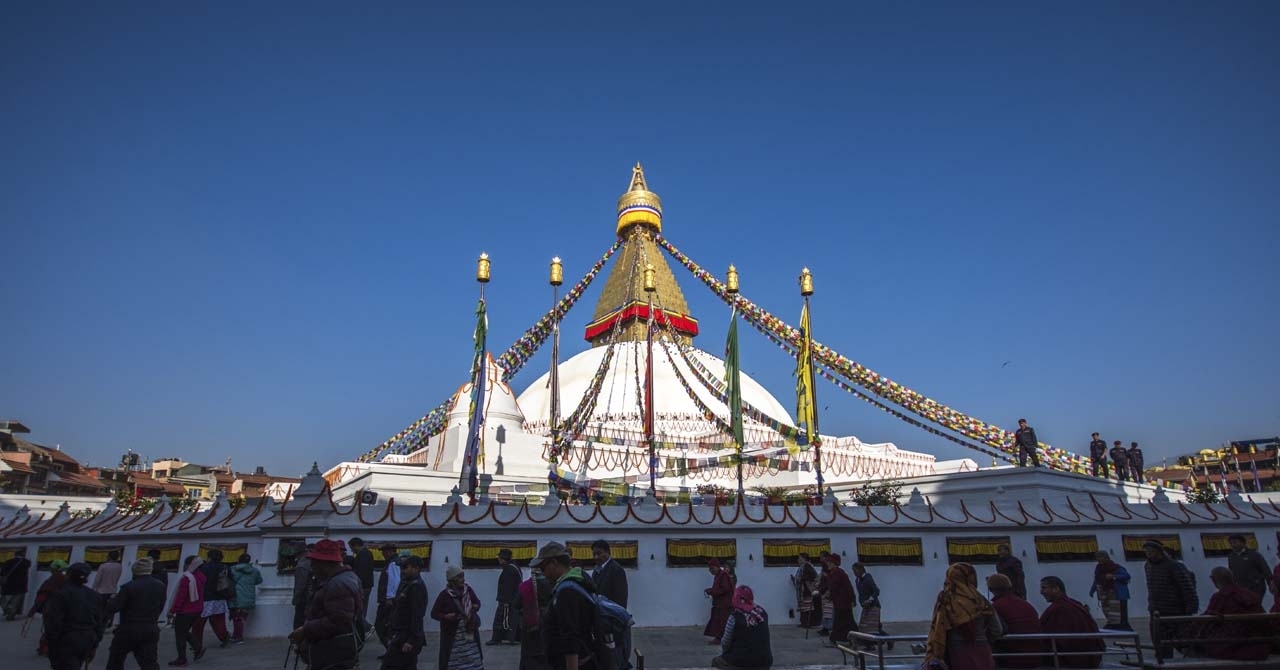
(509, 584)
(611, 582)
(1135, 458)
(1121, 456)
(72, 617)
(211, 571)
(14, 575)
(408, 609)
(1098, 450)
(1170, 590)
(1025, 437)
(868, 591)
(1250, 570)
(362, 564)
(139, 602)
(569, 623)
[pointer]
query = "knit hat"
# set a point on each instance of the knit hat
(452, 572)
(57, 564)
(143, 566)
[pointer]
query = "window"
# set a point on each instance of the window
(195, 493)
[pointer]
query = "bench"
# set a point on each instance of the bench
(1267, 623)
(877, 655)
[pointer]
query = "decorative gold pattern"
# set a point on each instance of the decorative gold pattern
(557, 272)
(639, 205)
(625, 285)
(731, 280)
(482, 269)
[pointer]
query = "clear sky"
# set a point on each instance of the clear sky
(249, 230)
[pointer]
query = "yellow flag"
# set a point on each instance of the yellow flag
(806, 394)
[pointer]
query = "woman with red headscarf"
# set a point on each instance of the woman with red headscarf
(745, 643)
(721, 594)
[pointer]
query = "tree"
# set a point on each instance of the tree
(1204, 494)
(879, 493)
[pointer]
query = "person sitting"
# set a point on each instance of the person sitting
(745, 643)
(1065, 615)
(1019, 617)
(1232, 599)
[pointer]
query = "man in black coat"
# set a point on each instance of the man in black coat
(1135, 463)
(505, 628)
(405, 636)
(362, 565)
(139, 602)
(15, 577)
(1170, 591)
(1120, 456)
(1028, 444)
(567, 627)
(611, 582)
(1098, 457)
(73, 621)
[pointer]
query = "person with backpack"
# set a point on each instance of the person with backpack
(247, 578)
(219, 587)
(327, 638)
(457, 608)
(571, 634)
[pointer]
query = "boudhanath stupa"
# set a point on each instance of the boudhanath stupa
(608, 416)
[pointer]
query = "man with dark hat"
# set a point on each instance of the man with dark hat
(73, 621)
(408, 607)
(567, 628)
(327, 636)
(140, 603)
(504, 624)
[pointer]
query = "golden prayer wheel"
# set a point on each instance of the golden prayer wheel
(482, 269)
(649, 286)
(731, 280)
(806, 282)
(557, 272)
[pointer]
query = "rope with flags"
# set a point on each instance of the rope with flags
(474, 454)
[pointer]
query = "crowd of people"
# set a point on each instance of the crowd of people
(1127, 463)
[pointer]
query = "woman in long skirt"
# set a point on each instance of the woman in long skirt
(805, 581)
(458, 610)
(721, 594)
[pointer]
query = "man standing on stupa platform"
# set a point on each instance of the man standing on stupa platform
(1135, 463)
(1120, 456)
(1025, 438)
(1098, 457)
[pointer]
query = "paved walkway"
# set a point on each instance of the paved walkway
(664, 649)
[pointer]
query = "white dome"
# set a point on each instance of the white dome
(499, 400)
(619, 405)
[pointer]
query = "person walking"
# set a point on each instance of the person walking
(106, 581)
(54, 583)
(1111, 585)
(188, 602)
(963, 625)
(158, 570)
(1098, 457)
(535, 598)
(745, 644)
(1028, 444)
(1248, 568)
(505, 626)
(1011, 566)
(721, 594)
(140, 603)
(247, 578)
(388, 586)
(219, 587)
(1136, 463)
(15, 578)
(362, 564)
(1120, 457)
(611, 582)
(457, 608)
(569, 621)
(303, 586)
(73, 621)
(327, 637)
(805, 582)
(843, 598)
(1170, 592)
(408, 607)
(869, 598)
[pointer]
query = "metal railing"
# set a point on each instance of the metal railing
(869, 647)
(1266, 627)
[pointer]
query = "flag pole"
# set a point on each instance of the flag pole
(649, 287)
(479, 375)
(806, 365)
(732, 365)
(557, 278)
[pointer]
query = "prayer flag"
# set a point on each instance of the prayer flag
(806, 394)
(733, 378)
(475, 413)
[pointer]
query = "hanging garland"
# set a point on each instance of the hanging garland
(716, 387)
(880, 385)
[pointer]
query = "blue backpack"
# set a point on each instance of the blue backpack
(611, 618)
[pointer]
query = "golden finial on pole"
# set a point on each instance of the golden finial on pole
(649, 286)
(482, 269)
(731, 280)
(557, 272)
(806, 283)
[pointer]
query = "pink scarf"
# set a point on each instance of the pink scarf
(744, 600)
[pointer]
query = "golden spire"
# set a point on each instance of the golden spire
(639, 205)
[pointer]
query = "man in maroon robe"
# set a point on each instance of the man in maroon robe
(1019, 617)
(1065, 615)
(840, 590)
(1232, 599)
(721, 594)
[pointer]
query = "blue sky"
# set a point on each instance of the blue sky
(249, 232)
